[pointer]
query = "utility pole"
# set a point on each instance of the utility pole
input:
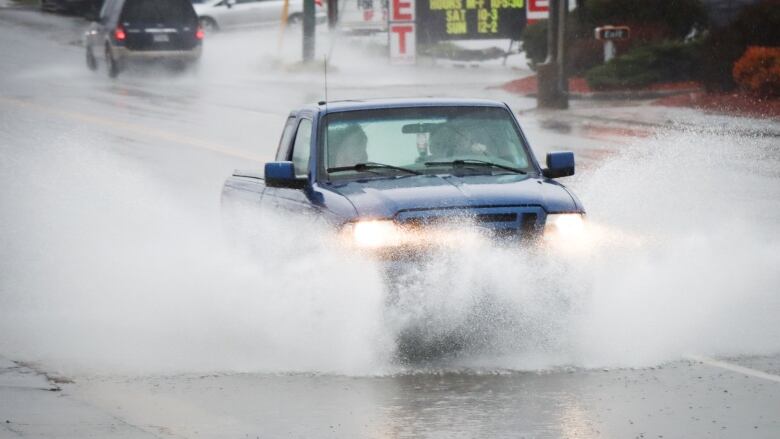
(333, 13)
(553, 84)
(563, 78)
(308, 30)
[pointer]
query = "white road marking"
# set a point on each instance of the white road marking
(734, 368)
(134, 128)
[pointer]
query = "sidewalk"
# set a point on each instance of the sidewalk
(664, 105)
(642, 114)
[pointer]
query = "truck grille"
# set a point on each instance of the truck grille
(505, 222)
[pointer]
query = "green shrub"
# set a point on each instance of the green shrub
(534, 40)
(645, 65)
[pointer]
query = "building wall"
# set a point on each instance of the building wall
(723, 11)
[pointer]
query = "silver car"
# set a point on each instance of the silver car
(224, 14)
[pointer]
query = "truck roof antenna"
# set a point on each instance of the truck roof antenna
(326, 80)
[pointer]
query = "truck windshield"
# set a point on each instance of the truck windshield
(422, 139)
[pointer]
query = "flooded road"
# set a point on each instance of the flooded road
(123, 313)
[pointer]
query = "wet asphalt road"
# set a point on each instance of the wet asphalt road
(188, 131)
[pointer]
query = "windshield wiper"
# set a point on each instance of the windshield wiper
(372, 165)
(475, 162)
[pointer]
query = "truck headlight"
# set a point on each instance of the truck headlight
(376, 234)
(564, 226)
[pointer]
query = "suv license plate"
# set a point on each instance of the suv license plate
(161, 38)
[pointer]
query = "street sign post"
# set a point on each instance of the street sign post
(613, 33)
(308, 30)
(610, 34)
(551, 74)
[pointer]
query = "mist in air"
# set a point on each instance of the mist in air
(105, 269)
(109, 267)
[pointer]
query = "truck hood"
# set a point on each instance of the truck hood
(384, 198)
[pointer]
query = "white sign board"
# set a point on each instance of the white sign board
(363, 15)
(402, 10)
(401, 32)
(403, 49)
(540, 9)
(537, 10)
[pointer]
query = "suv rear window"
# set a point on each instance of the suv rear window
(170, 12)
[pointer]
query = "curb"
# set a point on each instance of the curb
(530, 84)
(670, 125)
(618, 95)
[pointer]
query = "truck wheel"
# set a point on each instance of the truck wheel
(91, 61)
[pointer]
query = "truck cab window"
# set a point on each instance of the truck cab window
(284, 142)
(302, 148)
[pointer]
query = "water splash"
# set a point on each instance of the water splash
(105, 270)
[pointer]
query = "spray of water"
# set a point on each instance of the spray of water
(104, 270)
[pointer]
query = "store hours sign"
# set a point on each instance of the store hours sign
(439, 20)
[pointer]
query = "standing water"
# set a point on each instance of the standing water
(103, 268)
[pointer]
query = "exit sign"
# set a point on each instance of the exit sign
(613, 33)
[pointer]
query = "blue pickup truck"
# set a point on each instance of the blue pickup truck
(392, 176)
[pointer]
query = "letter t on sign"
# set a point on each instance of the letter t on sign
(401, 27)
(402, 43)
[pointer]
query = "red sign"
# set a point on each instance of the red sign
(401, 32)
(538, 10)
(403, 48)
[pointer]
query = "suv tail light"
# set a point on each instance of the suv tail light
(119, 33)
(199, 34)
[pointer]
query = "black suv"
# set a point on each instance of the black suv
(149, 30)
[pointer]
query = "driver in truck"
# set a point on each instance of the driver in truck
(347, 147)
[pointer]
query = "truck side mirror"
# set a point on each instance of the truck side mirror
(230, 3)
(559, 164)
(282, 174)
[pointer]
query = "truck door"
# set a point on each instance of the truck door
(299, 153)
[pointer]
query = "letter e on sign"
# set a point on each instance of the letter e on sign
(402, 10)
(402, 43)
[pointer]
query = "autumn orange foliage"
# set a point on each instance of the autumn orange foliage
(758, 71)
